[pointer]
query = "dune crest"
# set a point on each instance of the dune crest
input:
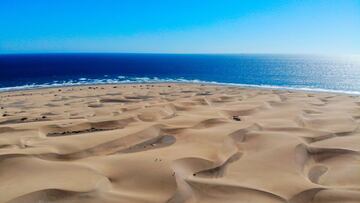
(178, 143)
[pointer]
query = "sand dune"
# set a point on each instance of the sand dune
(178, 143)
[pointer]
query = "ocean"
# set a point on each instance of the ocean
(303, 72)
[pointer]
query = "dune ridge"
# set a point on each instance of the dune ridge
(178, 143)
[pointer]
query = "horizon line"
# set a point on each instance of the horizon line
(174, 53)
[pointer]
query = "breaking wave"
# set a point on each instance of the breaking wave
(131, 80)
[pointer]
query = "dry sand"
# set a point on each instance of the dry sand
(178, 143)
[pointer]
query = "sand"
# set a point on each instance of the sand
(178, 143)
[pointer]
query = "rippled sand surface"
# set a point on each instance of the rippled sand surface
(178, 143)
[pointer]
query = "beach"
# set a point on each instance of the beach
(174, 143)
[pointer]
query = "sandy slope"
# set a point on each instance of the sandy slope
(178, 143)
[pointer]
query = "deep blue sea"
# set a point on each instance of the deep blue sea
(321, 73)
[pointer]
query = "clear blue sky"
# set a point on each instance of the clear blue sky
(180, 26)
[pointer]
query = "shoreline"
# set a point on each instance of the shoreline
(247, 86)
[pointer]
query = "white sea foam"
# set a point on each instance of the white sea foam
(128, 80)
